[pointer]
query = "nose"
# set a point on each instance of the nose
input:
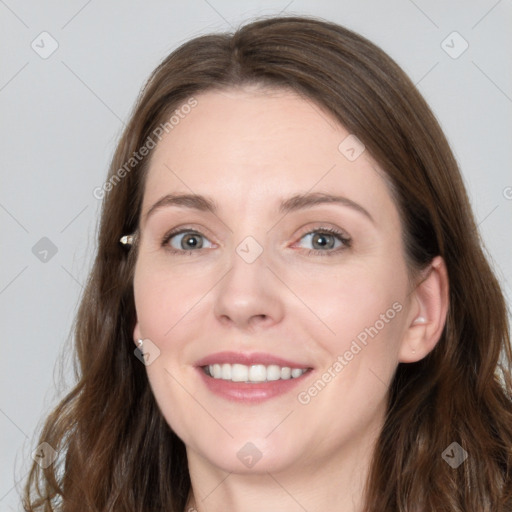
(249, 296)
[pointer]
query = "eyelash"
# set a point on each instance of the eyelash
(346, 241)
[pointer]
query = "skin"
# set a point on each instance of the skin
(249, 149)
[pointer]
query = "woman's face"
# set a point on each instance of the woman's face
(271, 257)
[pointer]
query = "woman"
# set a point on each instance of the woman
(226, 364)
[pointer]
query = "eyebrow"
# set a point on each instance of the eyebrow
(193, 201)
(302, 201)
(294, 203)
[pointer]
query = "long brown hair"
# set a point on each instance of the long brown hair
(116, 450)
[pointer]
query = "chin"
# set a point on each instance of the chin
(251, 456)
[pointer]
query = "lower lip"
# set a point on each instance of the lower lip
(250, 393)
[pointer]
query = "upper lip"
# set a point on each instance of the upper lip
(249, 359)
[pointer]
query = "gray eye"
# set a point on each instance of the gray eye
(321, 240)
(188, 240)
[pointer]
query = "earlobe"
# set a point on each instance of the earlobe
(428, 318)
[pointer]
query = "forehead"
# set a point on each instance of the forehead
(256, 146)
(253, 127)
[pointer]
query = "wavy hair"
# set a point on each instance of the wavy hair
(116, 451)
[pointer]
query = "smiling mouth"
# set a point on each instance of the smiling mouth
(252, 374)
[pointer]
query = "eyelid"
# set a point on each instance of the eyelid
(201, 230)
(323, 228)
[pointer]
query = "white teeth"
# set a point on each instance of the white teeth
(257, 373)
(296, 372)
(239, 373)
(217, 371)
(274, 372)
(226, 371)
(254, 373)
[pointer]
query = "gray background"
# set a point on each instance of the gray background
(61, 117)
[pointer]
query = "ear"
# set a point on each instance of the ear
(427, 315)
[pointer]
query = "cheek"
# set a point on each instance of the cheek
(164, 297)
(166, 304)
(356, 302)
(362, 325)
